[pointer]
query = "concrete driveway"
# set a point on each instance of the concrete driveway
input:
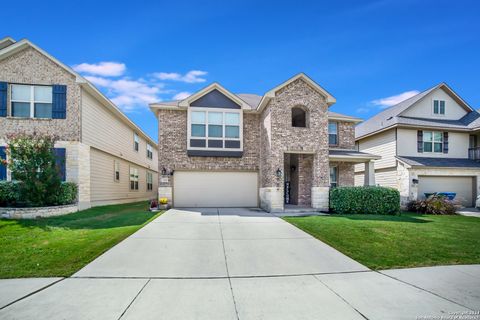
(240, 264)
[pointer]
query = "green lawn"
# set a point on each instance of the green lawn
(402, 241)
(62, 245)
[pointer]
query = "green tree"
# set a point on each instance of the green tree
(33, 166)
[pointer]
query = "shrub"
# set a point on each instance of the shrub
(434, 204)
(67, 193)
(373, 200)
(9, 194)
(32, 162)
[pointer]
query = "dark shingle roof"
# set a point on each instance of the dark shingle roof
(440, 162)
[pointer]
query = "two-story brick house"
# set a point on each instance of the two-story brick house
(217, 148)
(428, 143)
(110, 158)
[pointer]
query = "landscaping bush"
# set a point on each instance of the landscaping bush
(364, 200)
(434, 204)
(67, 193)
(9, 194)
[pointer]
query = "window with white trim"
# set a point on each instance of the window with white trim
(332, 133)
(133, 178)
(439, 107)
(215, 129)
(136, 141)
(149, 181)
(333, 176)
(28, 101)
(116, 167)
(149, 151)
(432, 141)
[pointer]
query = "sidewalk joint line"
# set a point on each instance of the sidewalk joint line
(422, 289)
(344, 300)
(134, 298)
(32, 293)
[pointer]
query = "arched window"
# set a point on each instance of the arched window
(299, 117)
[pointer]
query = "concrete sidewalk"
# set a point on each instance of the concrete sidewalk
(239, 264)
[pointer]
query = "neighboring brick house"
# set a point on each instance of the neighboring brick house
(110, 158)
(219, 149)
(428, 143)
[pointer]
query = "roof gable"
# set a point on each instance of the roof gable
(215, 99)
(271, 94)
(393, 115)
(216, 95)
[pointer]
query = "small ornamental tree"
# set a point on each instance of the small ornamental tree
(33, 166)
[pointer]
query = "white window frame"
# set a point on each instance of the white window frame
(136, 142)
(149, 181)
(116, 164)
(433, 141)
(336, 133)
(206, 138)
(330, 176)
(32, 100)
(444, 110)
(133, 178)
(149, 151)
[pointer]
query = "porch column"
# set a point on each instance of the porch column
(369, 174)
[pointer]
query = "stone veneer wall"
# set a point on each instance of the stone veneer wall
(278, 137)
(31, 67)
(39, 212)
(346, 135)
(305, 171)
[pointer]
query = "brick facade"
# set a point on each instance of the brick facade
(31, 67)
(271, 143)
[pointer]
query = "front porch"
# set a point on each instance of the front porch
(298, 187)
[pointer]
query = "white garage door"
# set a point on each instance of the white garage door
(462, 186)
(215, 189)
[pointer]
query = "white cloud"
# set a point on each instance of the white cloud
(129, 94)
(106, 69)
(182, 95)
(393, 100)
(362, 110)
(133, 94)
(193, 76)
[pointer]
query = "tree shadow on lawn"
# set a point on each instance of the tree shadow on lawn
(401, 217)
(105, 217)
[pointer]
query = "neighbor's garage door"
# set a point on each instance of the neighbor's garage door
(462, 186)
(215, 189)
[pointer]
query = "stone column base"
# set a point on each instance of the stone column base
(320, 197)
(166, 192)
(271, 199)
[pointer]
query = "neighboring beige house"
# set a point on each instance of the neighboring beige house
(110, 158)
(282, 150)
(428, 143)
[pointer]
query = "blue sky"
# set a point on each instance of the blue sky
(368, 54)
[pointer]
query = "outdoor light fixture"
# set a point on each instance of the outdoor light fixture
(415, 181)
(279, 173)
(164, 171)
(171, 172)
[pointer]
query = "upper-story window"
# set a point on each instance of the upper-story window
(136, 141)
(432, 141)
(29, 101)
(149, 151)
(333, 133)
(215, 129)
(439, 107)
(299, 117)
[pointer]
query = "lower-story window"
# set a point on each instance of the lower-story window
(333, 177)
(149, 181)
(133, 178)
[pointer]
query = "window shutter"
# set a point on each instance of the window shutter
(60, 162)
(420, 141)
(3, 99)
(59, 101)
(3, 168)
(445, 142)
